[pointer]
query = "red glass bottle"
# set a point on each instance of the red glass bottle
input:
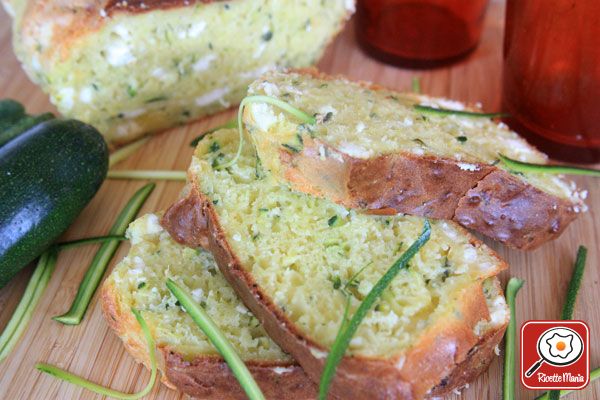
(551, 83)
(419, 33)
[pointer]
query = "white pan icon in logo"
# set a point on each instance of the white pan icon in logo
(558, 347)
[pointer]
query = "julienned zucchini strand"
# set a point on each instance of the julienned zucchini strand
(348, 329)
(423, 109)
(33, 292)
(95, 271)
(218, 339)
(301, 115)
(520, 166)
(508, 387)
(104, 391)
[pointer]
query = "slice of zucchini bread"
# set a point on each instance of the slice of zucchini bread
(187, 360)
(132, 67)
(290, 257)
(372, 149)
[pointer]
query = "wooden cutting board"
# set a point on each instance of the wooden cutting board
(91, 350)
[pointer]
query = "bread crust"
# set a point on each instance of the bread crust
(441, 353)
(481, 197)
(206, 377)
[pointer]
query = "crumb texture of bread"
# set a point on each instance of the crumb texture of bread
(298, 255)
(165, 62)
(372, 149)
(187, 360)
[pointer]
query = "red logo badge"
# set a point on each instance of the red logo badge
(554, 354)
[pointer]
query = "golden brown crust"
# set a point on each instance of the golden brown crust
(185, 221)
(206, 377)
(443, 348)
(141, 6)
(513, 212)
(481, 197)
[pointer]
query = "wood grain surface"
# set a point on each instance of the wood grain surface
(92, 351)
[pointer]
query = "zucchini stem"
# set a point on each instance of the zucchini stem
(301, 115)
(33, 292)
(508, 386)
(104, 391)
(218, 339)
(95, 271)
(348, 329)
(520, 166)
(148, 174)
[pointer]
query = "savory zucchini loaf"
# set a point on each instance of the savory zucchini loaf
(372, 149)
(187, 360)
(131, 67)
(290, 256)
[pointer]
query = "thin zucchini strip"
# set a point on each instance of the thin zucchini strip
(125, 151)
(218, 339)
(33, 292)
(96, 270)
(460, 113)
(104, 391)
(348, 329)
(508, 386)
(520, 166)
(148, 174)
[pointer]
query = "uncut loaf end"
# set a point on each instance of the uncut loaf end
(134, 67)
(289, 255)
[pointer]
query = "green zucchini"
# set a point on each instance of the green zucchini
(10, 112)
(21, 126)
(47, 176)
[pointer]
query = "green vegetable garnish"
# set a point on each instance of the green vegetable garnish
(445, 111)
(218, 339)
(33, 292)
(98, 265)
(301, 115)
(520, 166)
(90, 240)
(104, 391)
(416, 84)
(148, 175)
(348, 329)
(595, 374)
(508, 387)
(126, 151)
(574, 285)
(462, 139)
(232, 123)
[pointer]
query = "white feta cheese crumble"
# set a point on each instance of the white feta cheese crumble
(468, 167)
(196, 29)
(204, 63)
(237, 237)
(153, 226)
(212, 96)
(65, 98)
(283, 370)
(354, 150)
(197, 295)
(118, 53)
(86, 94)
(263, 115)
